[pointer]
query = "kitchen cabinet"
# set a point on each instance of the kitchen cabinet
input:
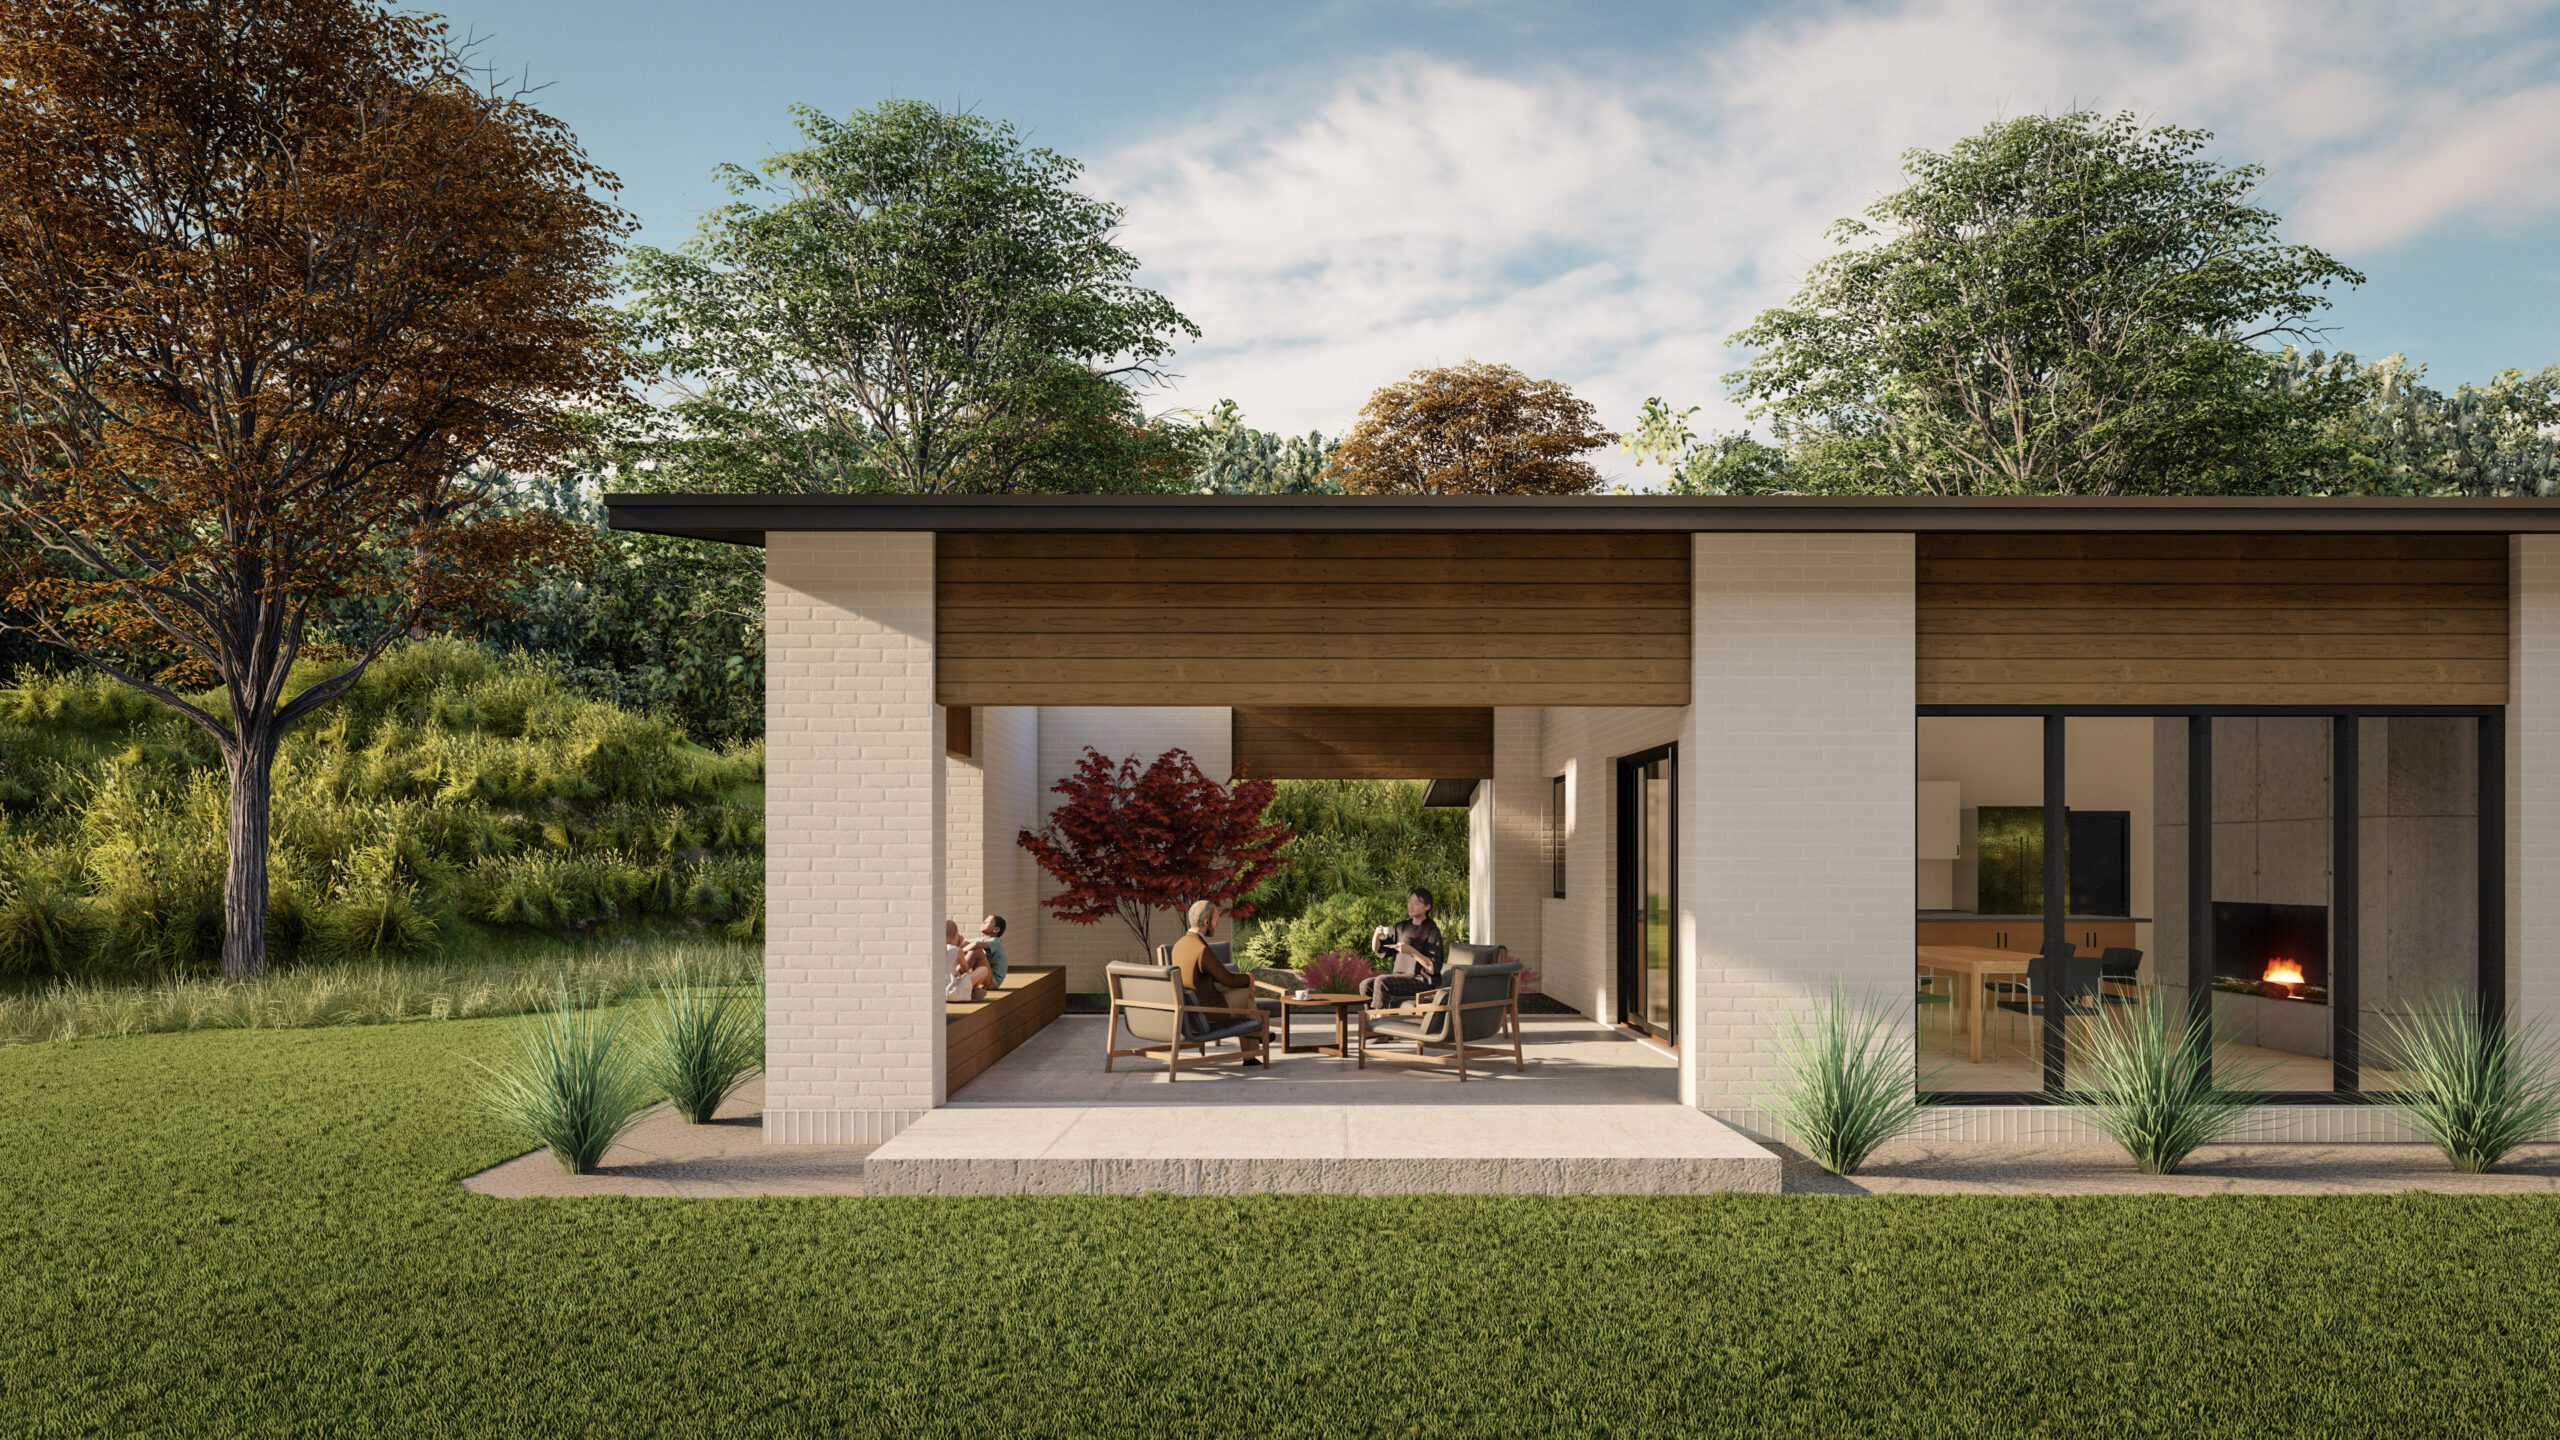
(1940, 811)
(2026, 932)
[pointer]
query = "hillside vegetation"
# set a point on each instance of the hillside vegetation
(452, 801)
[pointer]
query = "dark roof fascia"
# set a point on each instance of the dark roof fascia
(747, 519)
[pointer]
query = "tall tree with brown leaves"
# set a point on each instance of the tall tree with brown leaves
(1471, 429)
(278, 278)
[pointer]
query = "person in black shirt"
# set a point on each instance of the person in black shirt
(1416, 947)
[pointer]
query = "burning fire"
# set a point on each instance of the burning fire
(2287, 973)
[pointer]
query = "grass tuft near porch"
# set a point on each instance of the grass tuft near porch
(221, 1230)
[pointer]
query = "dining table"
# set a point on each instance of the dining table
(1971, 965)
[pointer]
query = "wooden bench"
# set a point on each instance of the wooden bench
(978, 1033)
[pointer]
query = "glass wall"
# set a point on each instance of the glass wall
(1981, 901)
(2273, 896)
(2125, 802)
(2345, 888)
(2418, 858)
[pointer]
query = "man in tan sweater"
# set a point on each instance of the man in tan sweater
(1205, 976)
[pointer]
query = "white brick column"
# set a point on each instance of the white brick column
(1796, 796)
(1516, 825)
(853, 838)
(1009, 754)
(966, 882)
(2533, 776)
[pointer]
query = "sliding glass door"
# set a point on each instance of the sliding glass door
(1648, 895)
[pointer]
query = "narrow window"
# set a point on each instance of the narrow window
(1555, 837)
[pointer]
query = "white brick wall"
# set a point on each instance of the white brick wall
(1796, 774)
(1009, 756)
(2533, 776)
(988, 800)
(1578, 935)
(854, 838)
(964, 827)
(1146, 732)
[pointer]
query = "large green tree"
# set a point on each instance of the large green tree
(913, 300)
(2067, 304)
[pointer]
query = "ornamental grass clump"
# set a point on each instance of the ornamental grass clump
(1849, 1085)
(2475, 1087)
(2149, 1082)
(704, 1040)
(572, 1088)
(1336, 972)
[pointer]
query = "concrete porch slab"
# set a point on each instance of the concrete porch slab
(1594, 1113)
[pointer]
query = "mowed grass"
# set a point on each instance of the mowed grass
(258, 1232)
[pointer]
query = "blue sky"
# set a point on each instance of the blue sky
(1340, 191)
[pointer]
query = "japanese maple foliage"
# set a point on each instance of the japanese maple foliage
(1131, 842)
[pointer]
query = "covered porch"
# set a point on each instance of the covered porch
(1595, 1111)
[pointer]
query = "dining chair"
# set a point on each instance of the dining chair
(1928, 993)
(2077, 995)
(2003, 988)
(2120, 975)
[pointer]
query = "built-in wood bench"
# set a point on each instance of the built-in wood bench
(978, 1033)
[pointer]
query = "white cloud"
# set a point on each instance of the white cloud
(2498, 161)
(1612, 227)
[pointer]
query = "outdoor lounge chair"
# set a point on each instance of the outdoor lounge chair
(1163, 1017)
(1269, 1007)
(1467, 1017)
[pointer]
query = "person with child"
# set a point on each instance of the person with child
(990, 945)
(968, 975)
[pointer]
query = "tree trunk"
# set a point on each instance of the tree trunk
(244, 886)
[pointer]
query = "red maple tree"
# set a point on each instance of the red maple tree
(1132, 842)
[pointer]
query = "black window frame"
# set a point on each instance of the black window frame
(2345, 863)
(1558, 813)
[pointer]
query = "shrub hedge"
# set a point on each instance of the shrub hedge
(1361, 844)
(449, 795)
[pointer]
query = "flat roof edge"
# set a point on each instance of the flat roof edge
(747, 519)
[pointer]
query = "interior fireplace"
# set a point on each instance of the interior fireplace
(2278, 951)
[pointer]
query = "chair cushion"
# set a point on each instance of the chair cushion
(1225, 1029)
(1422, 1029)
(1473, 985)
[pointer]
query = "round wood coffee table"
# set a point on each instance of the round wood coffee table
(1348, 1042)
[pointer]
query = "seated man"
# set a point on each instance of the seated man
(1208, 979)
(968, 976)
(1418, 949)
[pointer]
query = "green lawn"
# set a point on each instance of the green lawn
(258, 1232)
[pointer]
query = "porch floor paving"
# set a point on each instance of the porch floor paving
(1594, 1113)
